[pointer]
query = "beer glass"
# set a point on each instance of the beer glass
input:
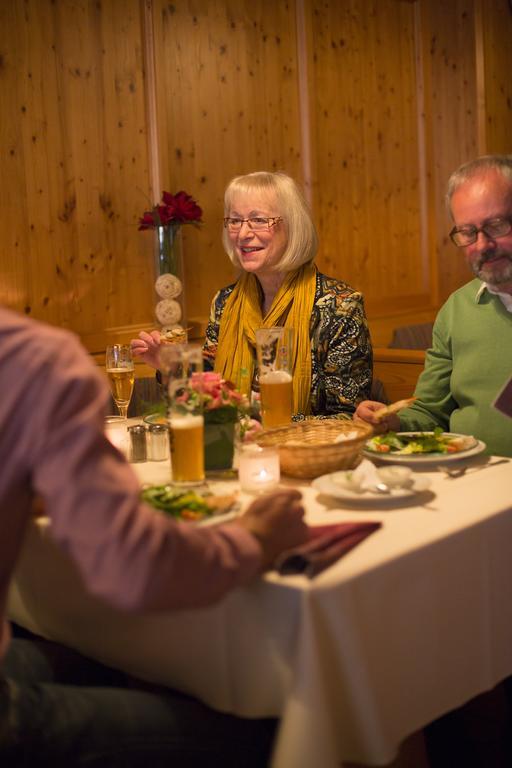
(274, 350)
(182, 366)
(121, 375)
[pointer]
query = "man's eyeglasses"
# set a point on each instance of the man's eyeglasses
(255, 223)
(493, 228)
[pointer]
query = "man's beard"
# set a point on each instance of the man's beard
(492, 274)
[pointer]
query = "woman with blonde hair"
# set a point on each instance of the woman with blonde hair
(270, 237)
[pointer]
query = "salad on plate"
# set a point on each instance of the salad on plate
(407, 443)
(186, 504)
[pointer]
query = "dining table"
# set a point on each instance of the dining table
(413, 622)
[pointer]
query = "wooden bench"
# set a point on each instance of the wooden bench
(398, 370)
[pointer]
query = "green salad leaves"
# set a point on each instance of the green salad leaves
(419, 442)
(185, 504)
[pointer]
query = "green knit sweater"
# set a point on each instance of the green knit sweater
(470, 361)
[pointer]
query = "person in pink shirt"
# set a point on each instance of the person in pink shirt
(52, 446)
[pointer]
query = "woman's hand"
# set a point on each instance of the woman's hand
(366, 411)
(147, 348)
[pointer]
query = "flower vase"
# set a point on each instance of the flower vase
(170, 308)
(219, 438)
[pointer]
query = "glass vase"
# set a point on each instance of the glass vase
(170, 308)
(219, 438)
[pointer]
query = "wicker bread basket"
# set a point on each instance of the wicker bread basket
(308, 448)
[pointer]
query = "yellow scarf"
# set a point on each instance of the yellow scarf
(241, 317)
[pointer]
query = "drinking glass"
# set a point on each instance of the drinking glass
(182, 367)
(121, 375)
(274, 352)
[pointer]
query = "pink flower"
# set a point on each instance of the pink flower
(251, 426)
(215, 390)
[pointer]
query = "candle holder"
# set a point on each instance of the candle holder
(258, 469)
(116, 431)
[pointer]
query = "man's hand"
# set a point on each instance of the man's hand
(277, 522)
(366, 411)
(147, 348)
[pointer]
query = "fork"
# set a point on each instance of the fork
(452, 471)
(459, 471)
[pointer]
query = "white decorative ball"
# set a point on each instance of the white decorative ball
(168, 312)
(168, 286)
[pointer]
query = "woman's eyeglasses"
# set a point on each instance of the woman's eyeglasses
(255, 223)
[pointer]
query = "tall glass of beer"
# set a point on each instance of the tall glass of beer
(121, 375)
(185, 411)
(274, 351)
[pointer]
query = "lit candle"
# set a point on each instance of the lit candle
(258, 469)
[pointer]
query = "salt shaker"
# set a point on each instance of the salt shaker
(158, 442)
(138, 450)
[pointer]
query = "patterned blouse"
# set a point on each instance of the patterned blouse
(341, 352)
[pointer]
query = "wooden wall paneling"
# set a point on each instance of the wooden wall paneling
(227, 103)
(14, 213)
(427, 192)
(395, 92)
(81, 152)
(125, 194)
(496, 34)
(112, 109)
(367, 193)
(451, 120)
(304, 38)
(30, 241)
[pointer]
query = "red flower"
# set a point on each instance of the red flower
(147, 221)
(182, 207)
(174, 209)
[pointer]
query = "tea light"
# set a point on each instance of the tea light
(258, 469)
(115, 430)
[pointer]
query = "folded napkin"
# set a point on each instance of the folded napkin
(326, 544)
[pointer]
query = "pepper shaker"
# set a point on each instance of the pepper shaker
(138, 450)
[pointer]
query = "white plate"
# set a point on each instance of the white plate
(427, 458)
(155, 418)
(225, 517)
(326, 485)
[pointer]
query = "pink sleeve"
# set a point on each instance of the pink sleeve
(127, 553)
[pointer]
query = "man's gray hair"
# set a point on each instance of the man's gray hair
(478, 167)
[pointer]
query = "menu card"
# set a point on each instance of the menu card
(503, 402)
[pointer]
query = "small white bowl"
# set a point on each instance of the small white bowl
(395, 476)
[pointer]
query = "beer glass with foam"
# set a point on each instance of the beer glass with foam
(274, 350)
(121, 375)
(185, 401)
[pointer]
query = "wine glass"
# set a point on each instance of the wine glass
(121, 375)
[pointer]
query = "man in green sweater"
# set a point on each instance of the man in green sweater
(471, 356)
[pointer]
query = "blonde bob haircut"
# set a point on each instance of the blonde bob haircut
(290, 204)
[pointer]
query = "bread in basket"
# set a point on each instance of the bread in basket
(316, 447)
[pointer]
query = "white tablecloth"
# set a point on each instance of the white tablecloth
(412, 623)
